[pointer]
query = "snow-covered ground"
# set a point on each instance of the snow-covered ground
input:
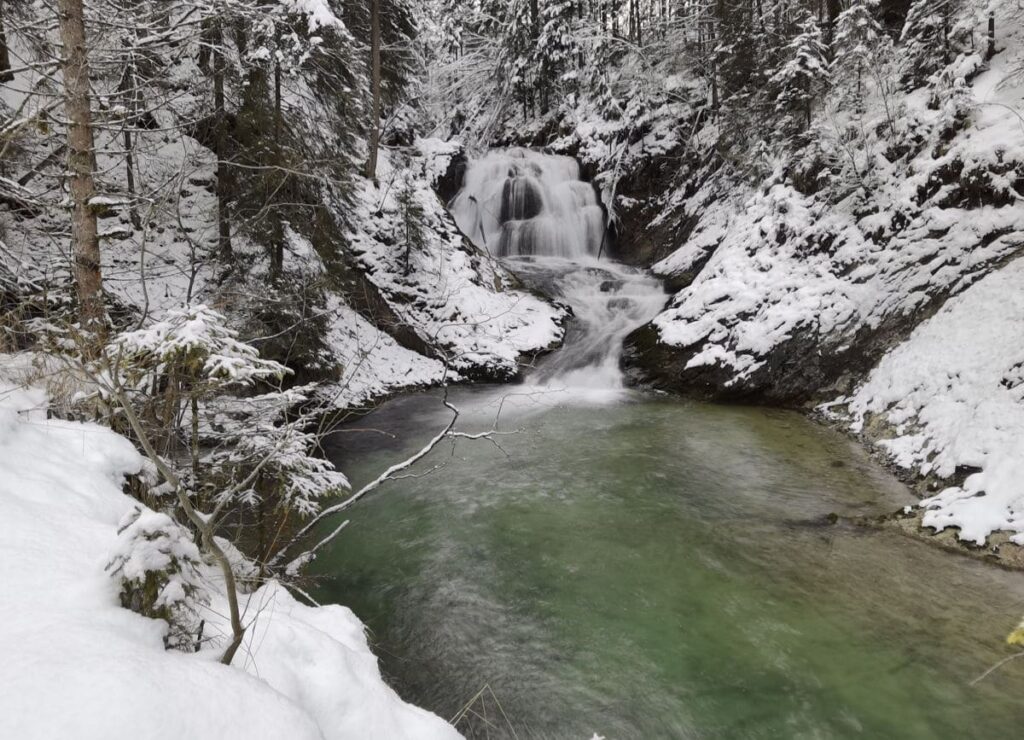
(77, 664)
(952, 400)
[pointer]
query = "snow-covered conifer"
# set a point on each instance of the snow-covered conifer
(804, 74)
(858, 39)
(158, 565)
(559, 52)
(925, 39)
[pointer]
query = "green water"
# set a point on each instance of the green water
(651, 568)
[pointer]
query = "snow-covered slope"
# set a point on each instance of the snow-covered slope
(795, 287)
(76, 664)
(951, 403)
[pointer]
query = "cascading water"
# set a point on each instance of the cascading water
(534, 210)
(517, 203)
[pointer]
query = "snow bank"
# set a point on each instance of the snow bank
(373, 364)
(953, 395)
(78, 665)
(318, 658)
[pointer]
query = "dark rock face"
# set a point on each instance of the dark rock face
(794, 373)
(449, 184)
(805, 370)
(647, 231)
(520, 199)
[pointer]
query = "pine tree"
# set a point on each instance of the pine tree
(804, 74)
(858, 37)
(558, 50)
(517, 44)
(412, 215)
(925, 39)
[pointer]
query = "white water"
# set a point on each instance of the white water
(533, 210)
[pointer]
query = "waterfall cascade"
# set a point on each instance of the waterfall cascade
(533, 209)
(518, 202)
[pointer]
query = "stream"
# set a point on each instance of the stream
(640, 566)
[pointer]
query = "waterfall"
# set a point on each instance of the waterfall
(532, 210)
(518, 202)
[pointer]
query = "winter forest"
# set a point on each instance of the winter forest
(597, 369)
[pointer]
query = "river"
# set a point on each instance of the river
(640, 566)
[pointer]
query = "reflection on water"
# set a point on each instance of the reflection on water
(657, 569)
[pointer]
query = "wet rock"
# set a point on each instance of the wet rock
(448, 185)
(520, 199)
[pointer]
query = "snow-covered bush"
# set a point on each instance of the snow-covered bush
(192, 345)
(264, 469)
(255, 466)
(158, 566)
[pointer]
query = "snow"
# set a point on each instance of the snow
(318, 13)
(78, 665)
(373, 364)
(952, 396)
(437, 155)
(199, 332)
(318, 657)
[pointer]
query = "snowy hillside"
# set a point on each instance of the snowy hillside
(797, 286)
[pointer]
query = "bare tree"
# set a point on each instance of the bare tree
(85, 245)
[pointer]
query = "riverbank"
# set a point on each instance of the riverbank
(77, 663)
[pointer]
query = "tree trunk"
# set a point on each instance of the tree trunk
(128, 90)
(85, 245)
(990, 51)
(810, 103)
(277, 263)
(221, 143)
(371, 162)
(5, 56)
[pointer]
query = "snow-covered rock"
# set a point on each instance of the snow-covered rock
(952, 401)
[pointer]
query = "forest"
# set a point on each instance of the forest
(511, 368)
